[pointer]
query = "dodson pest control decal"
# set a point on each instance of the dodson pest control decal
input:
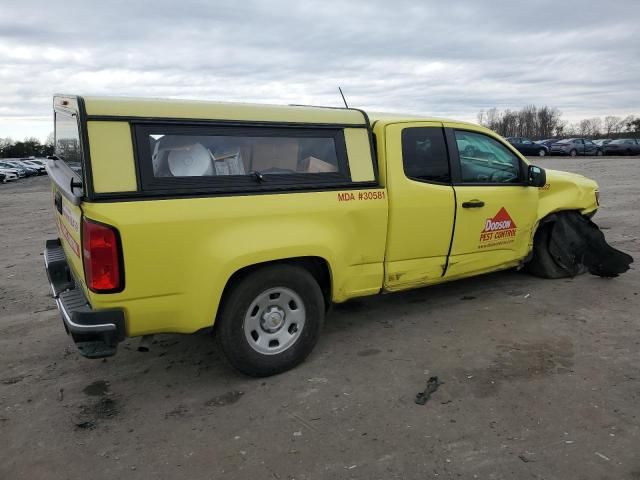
(499, 230)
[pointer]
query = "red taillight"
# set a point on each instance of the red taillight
(101, 252)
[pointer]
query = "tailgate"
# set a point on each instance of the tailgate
(67, 175)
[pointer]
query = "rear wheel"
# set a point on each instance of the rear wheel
(271, 319)
(599, 153)
(542, 152)
(573, 152)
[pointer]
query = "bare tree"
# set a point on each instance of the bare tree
(611, 125)
(50, 141)
(627, 124)
(530, 121)
(590, 127)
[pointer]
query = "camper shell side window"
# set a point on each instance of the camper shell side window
(238, 158)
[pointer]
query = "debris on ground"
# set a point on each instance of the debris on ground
(225, 399)
(432, 385)
(88, 425)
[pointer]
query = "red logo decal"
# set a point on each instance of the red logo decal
(499, 230)
(501, 221)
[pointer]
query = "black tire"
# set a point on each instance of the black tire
(599, 153)
(231, 335)
(573, 153)
(542, 263)
(542, 152)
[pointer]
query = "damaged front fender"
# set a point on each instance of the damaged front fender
(569, 244)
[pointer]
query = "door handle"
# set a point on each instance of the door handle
(473, 204)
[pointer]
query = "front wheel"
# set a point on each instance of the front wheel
(542, 152)
(599, 153)
(270, 320)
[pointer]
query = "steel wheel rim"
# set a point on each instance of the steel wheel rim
(274, 321)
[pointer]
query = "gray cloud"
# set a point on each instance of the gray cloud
(436, 58)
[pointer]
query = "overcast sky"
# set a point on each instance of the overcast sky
(440, 58)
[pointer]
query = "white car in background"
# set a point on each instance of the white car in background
(35, 164)
(9, 175)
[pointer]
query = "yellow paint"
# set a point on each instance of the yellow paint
(358, 146)
(180, 253)
(112, 157)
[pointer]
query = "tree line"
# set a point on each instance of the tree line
(546, 122)
(29, 147)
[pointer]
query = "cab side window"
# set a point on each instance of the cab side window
(424, 155)
(485, 160)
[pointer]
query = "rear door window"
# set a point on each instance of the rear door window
(231, 158)
(424, 154)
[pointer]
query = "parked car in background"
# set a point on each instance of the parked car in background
(31, 169)
(34, 164)
(623, 146)
(601, 142)
(575, 146)
(21, 172)
(547, 142)
(527, 146)
(8, 174)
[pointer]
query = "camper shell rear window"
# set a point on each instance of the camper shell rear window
(238, 158)
(67, 140)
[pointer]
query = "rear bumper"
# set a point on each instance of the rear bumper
(95, 332)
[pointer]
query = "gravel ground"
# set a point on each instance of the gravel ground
(541, 377)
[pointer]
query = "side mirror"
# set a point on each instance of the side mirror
(536, 176)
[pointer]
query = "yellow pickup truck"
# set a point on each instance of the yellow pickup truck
(177, 216)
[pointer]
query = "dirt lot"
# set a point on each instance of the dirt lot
(542, 378)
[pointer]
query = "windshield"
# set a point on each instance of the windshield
(67, 146)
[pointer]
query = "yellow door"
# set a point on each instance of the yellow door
(421, 203)
(496, 210)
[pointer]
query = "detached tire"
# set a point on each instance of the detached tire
(270, 320)
(542, 263)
